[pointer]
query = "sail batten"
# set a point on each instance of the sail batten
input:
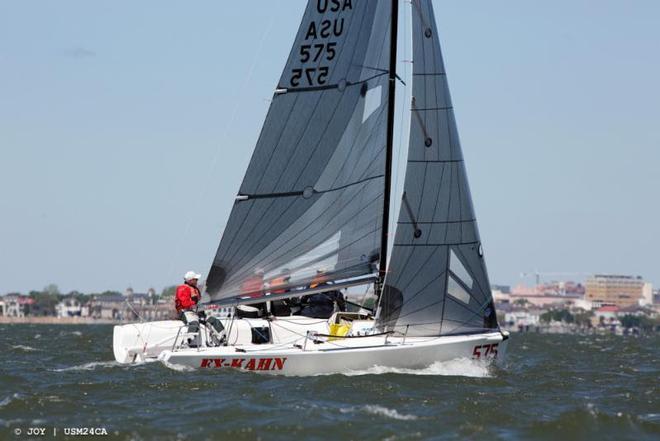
(437, 283)
(312, 197)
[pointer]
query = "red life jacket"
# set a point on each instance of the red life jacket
(278, 282)
(252, 286)
(186, 297)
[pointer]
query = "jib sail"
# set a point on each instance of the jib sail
(312, 197)
(436, 282)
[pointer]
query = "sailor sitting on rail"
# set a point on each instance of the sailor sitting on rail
(186, 299)
(321, 305)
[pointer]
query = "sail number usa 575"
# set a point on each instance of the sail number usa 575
(318, 46)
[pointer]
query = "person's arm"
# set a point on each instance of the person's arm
(195, 295)
(341, 302)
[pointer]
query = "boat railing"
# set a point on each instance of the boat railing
(201, 337)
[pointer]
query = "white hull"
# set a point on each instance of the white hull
(342, 356)
(292, 353)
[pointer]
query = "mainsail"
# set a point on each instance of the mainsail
(436, 282)
(312, 197)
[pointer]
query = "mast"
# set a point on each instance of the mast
(390, 145)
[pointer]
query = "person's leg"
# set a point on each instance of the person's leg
(215, 324)
(190, 319)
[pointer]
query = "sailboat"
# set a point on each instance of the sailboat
(315, 199)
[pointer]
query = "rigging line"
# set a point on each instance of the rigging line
(416, 3)
(228, 126)
(418, 117)
(301, 193)
(406, 204)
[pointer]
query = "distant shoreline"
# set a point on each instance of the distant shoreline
(59, 321)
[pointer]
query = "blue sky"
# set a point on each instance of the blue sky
(125, 129)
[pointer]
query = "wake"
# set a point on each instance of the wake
(460, 367)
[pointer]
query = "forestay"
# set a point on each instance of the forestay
(436, 282)
(312, 197)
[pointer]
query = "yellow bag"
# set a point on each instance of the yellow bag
(339, 330)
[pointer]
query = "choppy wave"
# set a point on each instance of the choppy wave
(89, 366)
(24, 348)
(463, 367)
(7, 400)
(177, 367)
(380, 411)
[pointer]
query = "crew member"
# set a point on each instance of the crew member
(322, 305)
(186, 299)
(279, 286)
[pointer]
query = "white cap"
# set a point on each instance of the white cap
(190, 275)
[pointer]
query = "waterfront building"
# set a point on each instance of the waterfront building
(68, 307)
(499, 296)
(614, 290)
(606, 316)
(16, 305)
(546, 295)
(522, 320)
(647, 295)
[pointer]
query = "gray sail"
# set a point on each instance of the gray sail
(312, 197)
(436, 282)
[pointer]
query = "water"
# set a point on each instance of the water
(554, 387)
